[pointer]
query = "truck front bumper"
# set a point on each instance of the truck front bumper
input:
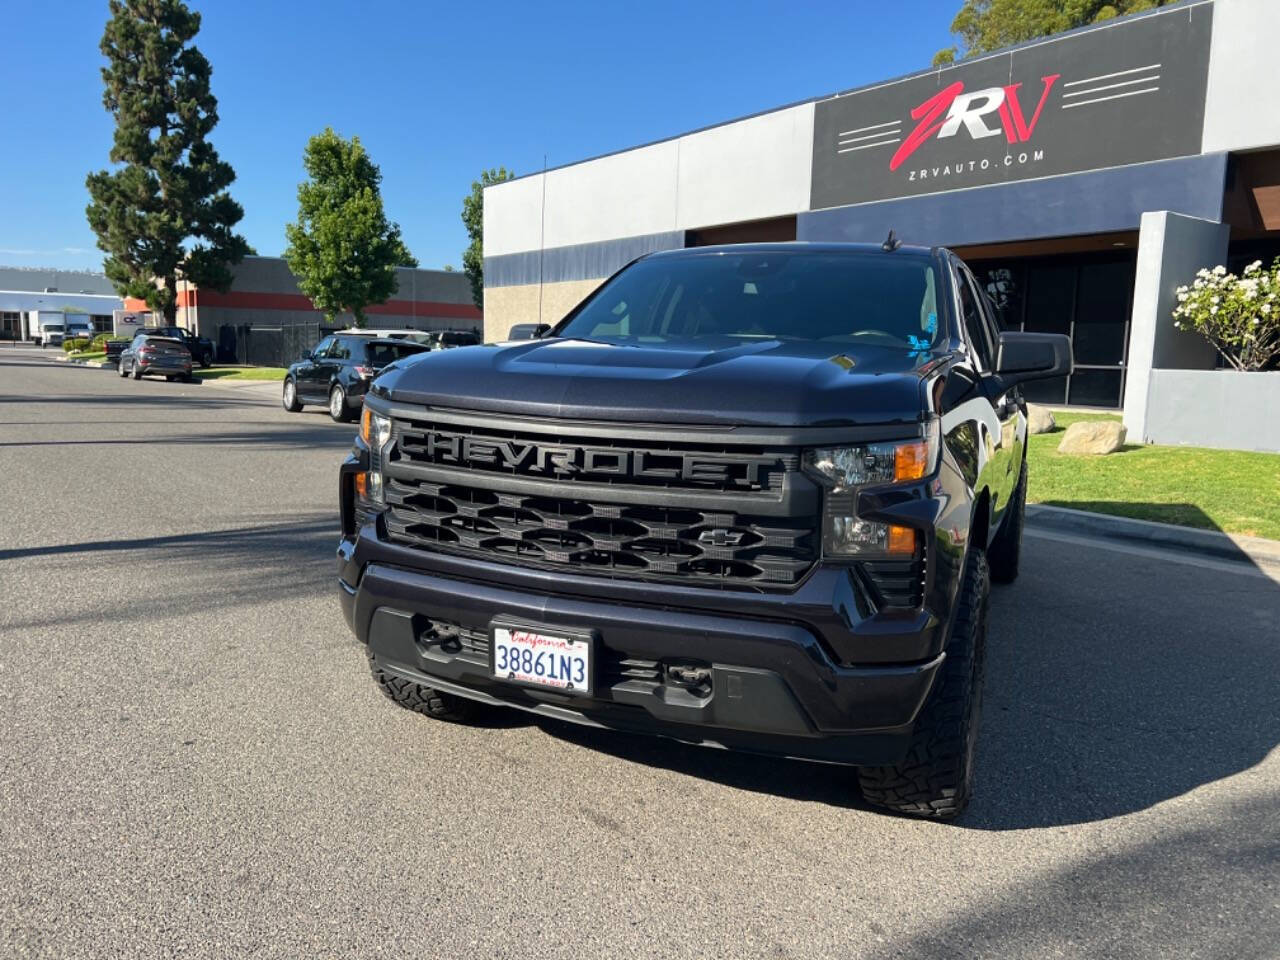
(774, 685)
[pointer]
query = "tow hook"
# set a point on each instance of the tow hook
(696, 678)
(442, 634)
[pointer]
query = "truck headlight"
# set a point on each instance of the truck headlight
(375, 430)
(844, 471)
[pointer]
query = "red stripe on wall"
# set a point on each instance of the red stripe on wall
(244, 300)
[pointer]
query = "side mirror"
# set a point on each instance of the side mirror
(528, 331)
(1032, 356)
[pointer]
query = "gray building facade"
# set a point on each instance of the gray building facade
(1080, 175)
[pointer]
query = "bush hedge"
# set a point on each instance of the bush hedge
(75, 344)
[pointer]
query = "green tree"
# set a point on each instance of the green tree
(473, 220)
(986, 25)
(164, 211)
(343, 249)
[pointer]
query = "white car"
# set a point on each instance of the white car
(417, 336)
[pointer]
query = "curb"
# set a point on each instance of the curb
(1211, 543)
(266, 391)
(97, 364)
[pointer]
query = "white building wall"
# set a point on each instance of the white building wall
(623, 195)
(747, 170)
(750, 170)
(513, 216)
(1240, 111)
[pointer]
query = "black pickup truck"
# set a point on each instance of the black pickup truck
(744, 496)
(114, 347)
(202, 349)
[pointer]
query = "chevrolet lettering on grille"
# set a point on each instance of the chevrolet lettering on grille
(604, 462)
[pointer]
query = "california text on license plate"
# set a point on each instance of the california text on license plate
(555, 661)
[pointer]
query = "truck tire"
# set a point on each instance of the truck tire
(425, 700)
(1006, 549)
(935, 780)
(206, 358)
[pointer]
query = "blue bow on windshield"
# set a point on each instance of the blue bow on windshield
(919, 345)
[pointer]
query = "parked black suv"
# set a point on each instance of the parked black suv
(339, 370)
(748, 496)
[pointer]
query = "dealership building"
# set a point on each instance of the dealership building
(1083, 176)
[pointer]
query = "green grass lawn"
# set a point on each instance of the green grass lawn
(1228, 490)
(88, 355)
(241, 373)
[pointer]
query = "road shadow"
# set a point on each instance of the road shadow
(1115, 682)
(1128, 900)
(167, 400)
(306, 437)
(192, 573)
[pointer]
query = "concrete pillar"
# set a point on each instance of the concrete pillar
(1171, 248)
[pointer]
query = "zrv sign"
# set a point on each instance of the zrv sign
(1127, 93)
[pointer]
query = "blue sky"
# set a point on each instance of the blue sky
(436, 92)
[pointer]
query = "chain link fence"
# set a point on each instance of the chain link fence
(268, 346)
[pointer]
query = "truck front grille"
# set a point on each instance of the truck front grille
(602, 537)
(671, 511)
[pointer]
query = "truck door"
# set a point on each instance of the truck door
(1007, 432)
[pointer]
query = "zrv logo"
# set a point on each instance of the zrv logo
(1130, 91)
(948, 110)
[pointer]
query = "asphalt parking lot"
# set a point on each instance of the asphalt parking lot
(194, 761)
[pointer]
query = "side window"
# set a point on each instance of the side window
(341, 349)
(322, 350)
(975, 324)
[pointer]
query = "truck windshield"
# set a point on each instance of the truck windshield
(885, 300)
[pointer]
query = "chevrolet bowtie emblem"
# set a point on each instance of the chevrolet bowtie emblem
(720, 538)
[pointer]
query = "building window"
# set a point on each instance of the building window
(10, 326)
(1089, 298)
(101, 323)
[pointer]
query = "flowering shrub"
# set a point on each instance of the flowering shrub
(1238, 315)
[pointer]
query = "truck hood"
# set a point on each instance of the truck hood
(728, 382)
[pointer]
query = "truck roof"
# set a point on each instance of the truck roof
(797, 246)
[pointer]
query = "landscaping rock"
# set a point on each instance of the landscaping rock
(1093, 437)
(1040, 419)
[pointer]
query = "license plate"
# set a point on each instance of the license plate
(554, 661)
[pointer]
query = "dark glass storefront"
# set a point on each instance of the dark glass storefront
(1089, 297)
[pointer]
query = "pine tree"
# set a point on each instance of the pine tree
(164, 212)
(342, 248)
